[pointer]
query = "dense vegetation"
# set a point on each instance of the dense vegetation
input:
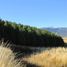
(28, 36)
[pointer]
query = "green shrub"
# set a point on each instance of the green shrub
(28, 36)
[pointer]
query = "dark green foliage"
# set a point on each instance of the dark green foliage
(28, 36)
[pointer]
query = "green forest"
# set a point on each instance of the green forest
(28, 36)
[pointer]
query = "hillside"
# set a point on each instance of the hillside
(60, 31)
(28, 36)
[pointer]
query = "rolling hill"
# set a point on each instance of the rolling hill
(59, 31)
(27, 35)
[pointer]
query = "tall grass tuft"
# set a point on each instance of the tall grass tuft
(7, 58)
(54, 57)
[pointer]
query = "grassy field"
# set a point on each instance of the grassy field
(65, 39)
(54, 57)
(49, 57)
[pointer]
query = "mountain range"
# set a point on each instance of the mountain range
(59, 31)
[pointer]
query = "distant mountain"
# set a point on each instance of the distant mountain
(59, 31)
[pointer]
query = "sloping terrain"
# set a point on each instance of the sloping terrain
(59, 31)
(28, 36)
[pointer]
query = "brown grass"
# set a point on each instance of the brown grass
(7, 58)
(65, 39)
(55, 57)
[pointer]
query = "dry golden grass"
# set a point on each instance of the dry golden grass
(7, 58)
(65, 39)
(55, 57)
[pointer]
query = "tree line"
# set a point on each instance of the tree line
(28, 36)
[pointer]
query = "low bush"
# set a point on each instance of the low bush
(28, 36)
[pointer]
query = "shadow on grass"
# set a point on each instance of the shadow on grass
(23, 51)
(27, 51)
(30, 65)
(65, 45)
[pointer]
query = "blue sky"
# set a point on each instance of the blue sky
(38, 13)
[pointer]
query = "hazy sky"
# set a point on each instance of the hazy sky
(38, 13)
